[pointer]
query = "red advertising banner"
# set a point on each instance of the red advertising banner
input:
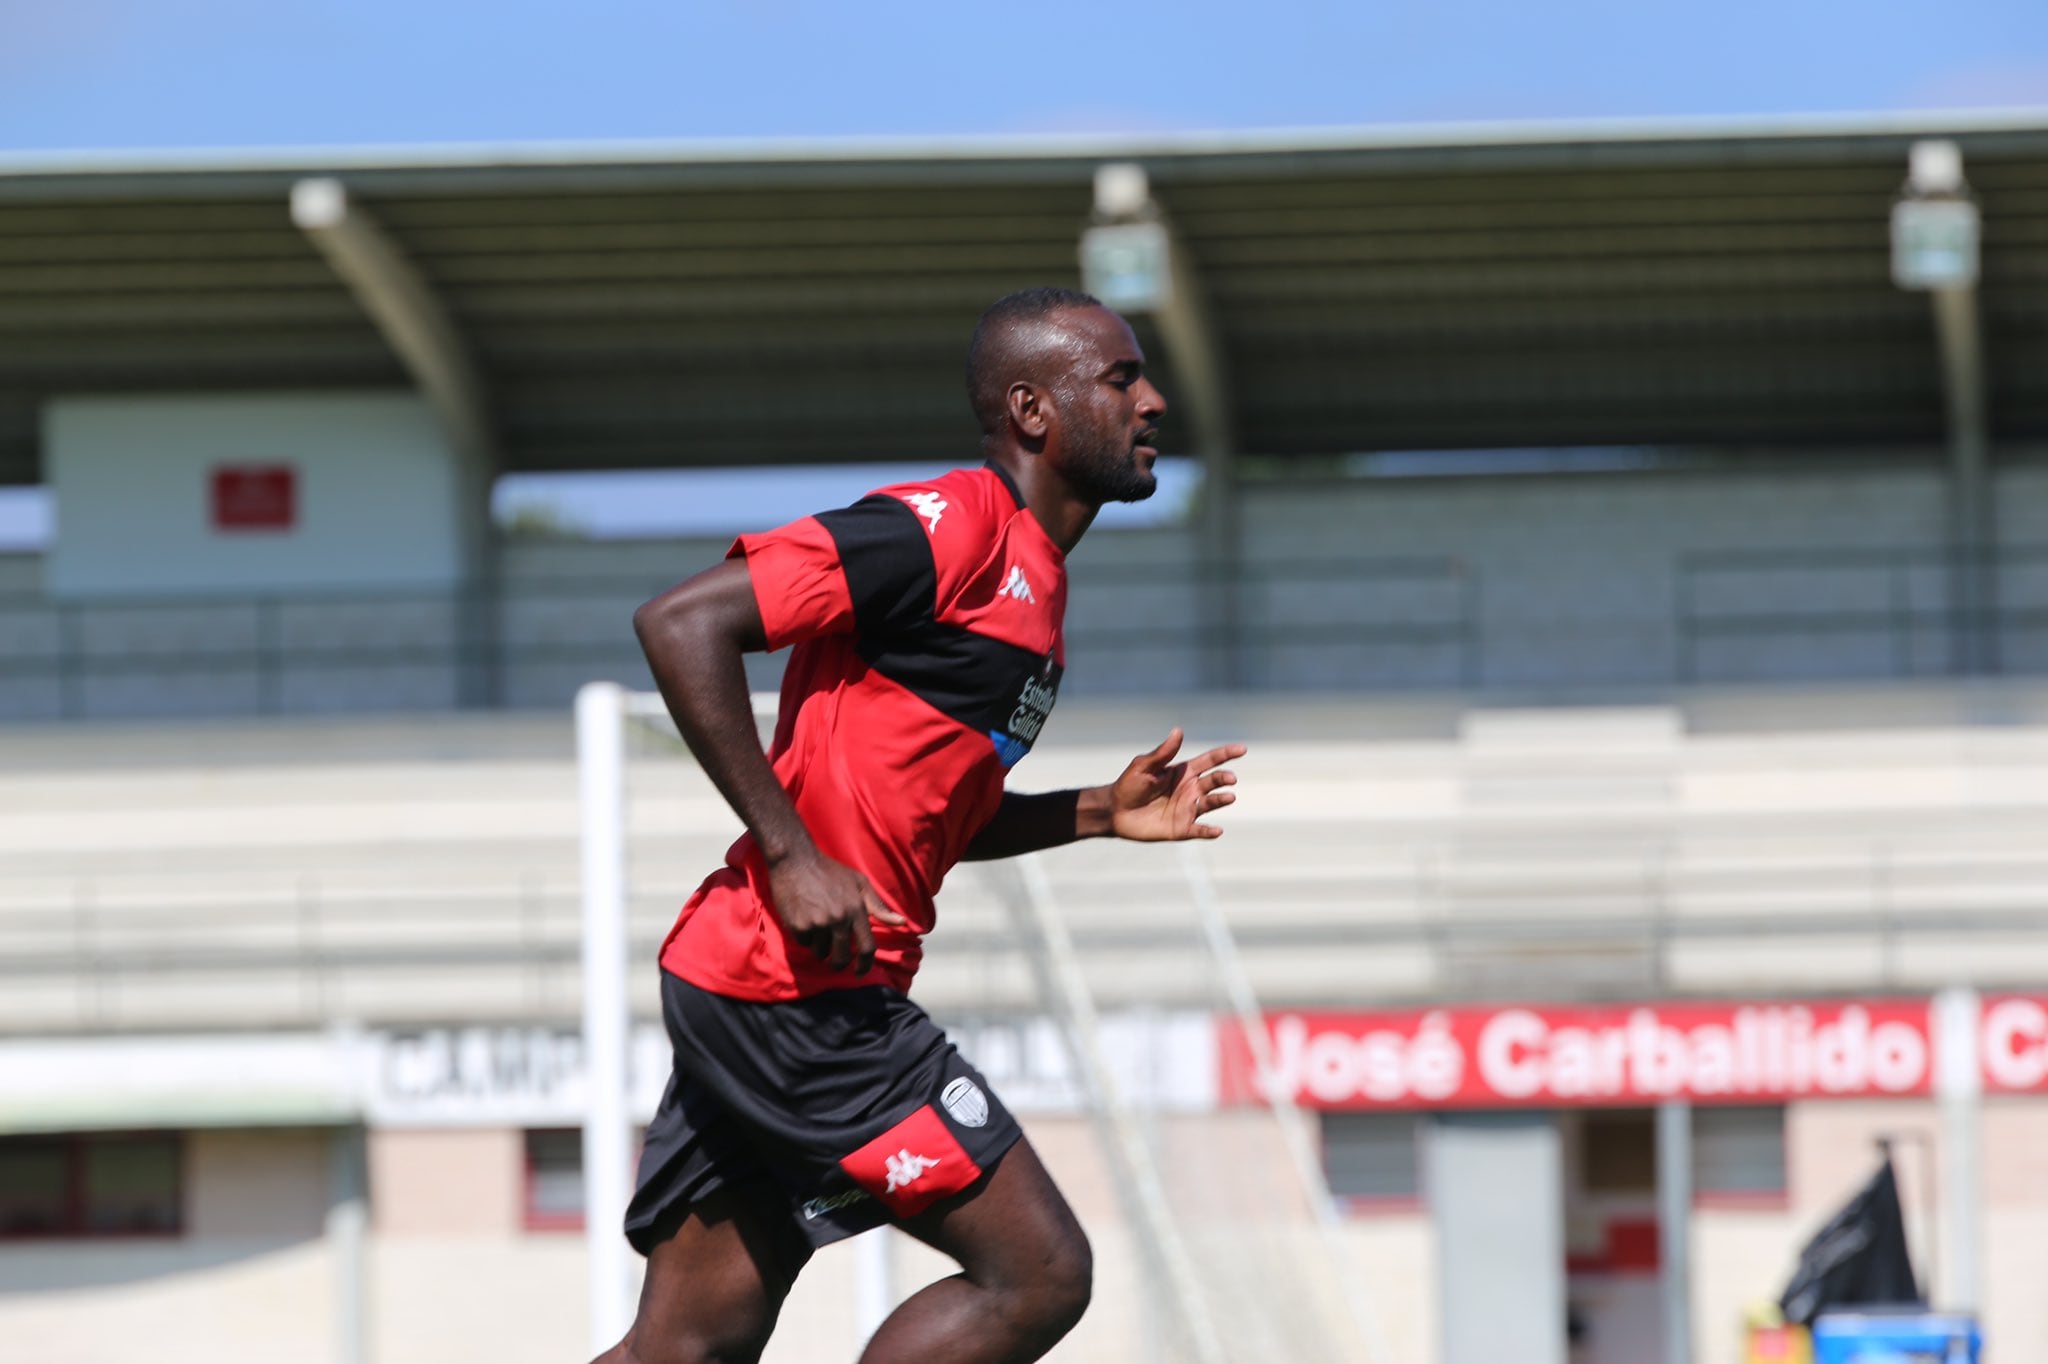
(2014, 1041)
(1540, 1056)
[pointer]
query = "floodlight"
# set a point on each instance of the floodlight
(1935, 224)
(1129, 266)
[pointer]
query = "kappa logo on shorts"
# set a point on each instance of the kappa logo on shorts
(914, 1164)
(906, 1169)
(965, 1101)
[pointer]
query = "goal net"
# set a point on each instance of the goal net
(1097, 987)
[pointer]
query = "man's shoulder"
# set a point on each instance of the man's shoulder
(961, 503)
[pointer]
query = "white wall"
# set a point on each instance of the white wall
(378, 506)
(1577, 578)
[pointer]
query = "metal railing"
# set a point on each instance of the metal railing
(1753, 615)
(1355, 624)
(1388, 622)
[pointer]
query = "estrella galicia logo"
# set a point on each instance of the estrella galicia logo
(1034, 703)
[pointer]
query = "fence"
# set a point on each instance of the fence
(1337, 624)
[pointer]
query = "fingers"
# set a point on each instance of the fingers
(1163, 754)
(863, 945)
(851, 942)
(878, 910)
(1215, 757)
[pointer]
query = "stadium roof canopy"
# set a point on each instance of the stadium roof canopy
(647, 306)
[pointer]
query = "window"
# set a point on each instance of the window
(1373, 1158)
(99, 1184)
(554, 1179)
(1738, 1156)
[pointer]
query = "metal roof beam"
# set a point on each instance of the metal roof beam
(420, 329)
(406, 310)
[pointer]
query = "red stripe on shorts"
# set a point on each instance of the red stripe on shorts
(912, 1165)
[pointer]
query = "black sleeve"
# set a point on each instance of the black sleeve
(886, 554)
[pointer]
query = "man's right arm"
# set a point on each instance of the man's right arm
(695, 636)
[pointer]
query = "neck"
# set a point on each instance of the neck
(1049, 497)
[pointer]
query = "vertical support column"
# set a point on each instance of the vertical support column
(348, 1225)
(1220, 555)
(1935, 232)
(1132, 260)
(1674, 1226)
(1973, 534)
(1959, 1089)
(422, 332)
(607, 1137)
(1496, 1191)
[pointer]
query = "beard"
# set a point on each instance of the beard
(1103, 466)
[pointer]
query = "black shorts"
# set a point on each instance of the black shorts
(850, 1108)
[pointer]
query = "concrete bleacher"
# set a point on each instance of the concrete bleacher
(420, 871)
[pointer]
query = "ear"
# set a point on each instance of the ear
(1030, 412)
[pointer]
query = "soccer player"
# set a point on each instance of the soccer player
(810, 1099)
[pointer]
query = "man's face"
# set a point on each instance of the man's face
(1108, 411)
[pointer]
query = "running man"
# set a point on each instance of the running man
(811, 1100)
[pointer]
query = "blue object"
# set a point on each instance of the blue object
(1912, 1337)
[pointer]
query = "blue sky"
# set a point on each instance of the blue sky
(154, 73)
(166, 74)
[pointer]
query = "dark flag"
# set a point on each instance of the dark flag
(1858, 1259)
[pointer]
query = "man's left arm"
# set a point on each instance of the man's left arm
(1156, 800)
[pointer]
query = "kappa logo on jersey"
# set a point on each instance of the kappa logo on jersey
(931, 506)
(965, 1101)
(906, 1169)
(1017, 586)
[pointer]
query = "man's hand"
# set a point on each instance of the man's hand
(1158, 800)
(826, 905)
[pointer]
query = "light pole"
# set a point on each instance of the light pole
(1936, 231)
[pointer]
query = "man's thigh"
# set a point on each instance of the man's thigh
(1012, 1228)
(716, 1283)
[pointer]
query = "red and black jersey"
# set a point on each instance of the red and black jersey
(926, 625)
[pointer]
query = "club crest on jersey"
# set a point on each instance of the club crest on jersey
(931, 506)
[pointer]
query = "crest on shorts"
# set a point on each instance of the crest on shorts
(965, 1101)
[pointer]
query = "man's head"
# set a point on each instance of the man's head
(1055, 372)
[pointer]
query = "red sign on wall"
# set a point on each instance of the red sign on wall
(254, 497)
(1534, 1056)
(2014, 1038)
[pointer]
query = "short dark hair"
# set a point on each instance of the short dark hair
(994, 352)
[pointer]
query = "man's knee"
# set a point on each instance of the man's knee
(1057, 1291)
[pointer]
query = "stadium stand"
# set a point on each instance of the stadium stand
(292, 874)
